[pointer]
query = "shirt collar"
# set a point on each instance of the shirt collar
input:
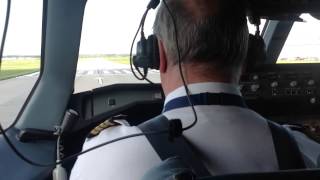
(210, 87)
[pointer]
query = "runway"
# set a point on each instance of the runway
(90, 75)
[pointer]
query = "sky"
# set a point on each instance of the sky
(24, 32)
(109, 27)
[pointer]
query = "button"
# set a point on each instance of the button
(313, 100)
(255, 77)
(274, 84)
(310, 91)
(254, 87)
(275, 92)
(111, 102)
(311, 82)
(293, 83)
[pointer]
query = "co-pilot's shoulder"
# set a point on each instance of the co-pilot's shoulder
(110, 129)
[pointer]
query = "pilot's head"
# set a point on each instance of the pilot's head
(212, 36)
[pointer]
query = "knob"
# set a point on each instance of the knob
(313, 100)
(274, 84)
(311, 82)
(293, 83)
(255, 77)
(254, 87)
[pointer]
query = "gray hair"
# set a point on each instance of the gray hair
(220, 39)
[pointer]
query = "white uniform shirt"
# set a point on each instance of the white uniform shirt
(230, 140)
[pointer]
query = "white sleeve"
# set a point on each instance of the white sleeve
(125, 159)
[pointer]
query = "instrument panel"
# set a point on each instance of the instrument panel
(288, 84)
(274, 84)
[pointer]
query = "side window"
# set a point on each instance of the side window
(107, 34)
(21, 58)
(303, 42)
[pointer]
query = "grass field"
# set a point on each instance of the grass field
(18, 67)
(298, 61)
(117, 59)
(121, 59)
(125, 60)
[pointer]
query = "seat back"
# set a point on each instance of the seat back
(289, 156)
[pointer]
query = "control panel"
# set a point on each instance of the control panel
(282, 82)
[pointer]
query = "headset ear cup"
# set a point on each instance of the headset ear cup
(154, 53)
(256, 55)
(147, 53)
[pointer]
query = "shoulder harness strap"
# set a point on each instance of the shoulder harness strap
(287, 150)
(166, 149)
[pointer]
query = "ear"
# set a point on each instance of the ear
(163, 58)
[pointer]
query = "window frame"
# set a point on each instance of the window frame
(42, 62)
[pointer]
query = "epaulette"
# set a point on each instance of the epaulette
(106, 124)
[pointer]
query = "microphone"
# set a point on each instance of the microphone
(69, 120)
(153, 4)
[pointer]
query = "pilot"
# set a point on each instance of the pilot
(213, 41)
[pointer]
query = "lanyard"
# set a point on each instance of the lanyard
(223, 99)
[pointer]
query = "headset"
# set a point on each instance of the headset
(147, 57)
